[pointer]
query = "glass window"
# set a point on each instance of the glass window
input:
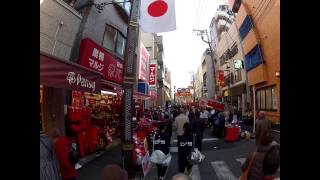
(109, 38)
(120, 45)
(268, 99)
(274, 98)
(258, 99)
(263, 99)
(114, 40)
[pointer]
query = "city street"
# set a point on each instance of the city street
(223, 160)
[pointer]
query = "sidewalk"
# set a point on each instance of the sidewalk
(92, 165)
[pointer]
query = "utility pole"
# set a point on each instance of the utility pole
(205, 33)
(129, 80)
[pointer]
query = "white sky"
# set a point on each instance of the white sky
(183, 49)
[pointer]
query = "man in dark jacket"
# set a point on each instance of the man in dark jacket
(262, 126)
(197, 128)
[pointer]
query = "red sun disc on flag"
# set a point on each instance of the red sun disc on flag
(157, 8)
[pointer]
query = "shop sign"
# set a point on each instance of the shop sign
(216, 105)
(152, 75)
(95, 57)
(153, 95)
(220, 79)
(61, 74)
(78, 80)
(238, 64)
(143, 63)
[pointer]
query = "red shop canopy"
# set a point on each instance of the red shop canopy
(55, 72)
(139, 95)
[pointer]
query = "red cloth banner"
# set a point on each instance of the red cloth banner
(152, 75)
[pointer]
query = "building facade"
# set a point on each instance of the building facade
(261, 46)
(59, 24)
(208, 75)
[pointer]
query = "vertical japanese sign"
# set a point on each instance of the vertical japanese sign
(152, 75)
(94, 57)
(143, 63)
(220, 78)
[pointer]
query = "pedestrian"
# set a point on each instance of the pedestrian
(162, 143)
(63, 149)
(271, 162)
(220, 123)
(191, 116)
(262, 126)
(49, 165)
(179, 123)
(181, 176)
(114, 172)
(184, 149)
(254, 162)
(197, 128)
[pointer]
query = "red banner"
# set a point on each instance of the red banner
(216, 105)
(95, 57)
(220, 78)
(143, 62)
(152, 75)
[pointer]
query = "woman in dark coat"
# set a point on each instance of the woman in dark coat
(184, 149)
(256, 169)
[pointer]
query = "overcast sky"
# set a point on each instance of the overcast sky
(183, 49)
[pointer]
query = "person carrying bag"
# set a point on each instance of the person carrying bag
(161, 155)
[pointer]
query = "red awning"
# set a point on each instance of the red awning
(138, 95)
(58, 73)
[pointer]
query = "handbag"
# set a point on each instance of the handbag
(245, 174)
(195, 157)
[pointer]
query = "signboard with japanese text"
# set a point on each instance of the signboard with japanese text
(220, 78)
(61, 74)
(152, 75)
(95, 57)
(143, 63)
(183, 92)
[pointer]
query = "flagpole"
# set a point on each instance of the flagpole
(129, 79)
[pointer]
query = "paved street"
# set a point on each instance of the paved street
(223, 161)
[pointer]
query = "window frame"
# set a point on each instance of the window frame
(262, 105)
(118, 33)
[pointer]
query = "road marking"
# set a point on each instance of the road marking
(174, 149)
(195, 173)
(241, 160)
(203, 140)
(222, 170)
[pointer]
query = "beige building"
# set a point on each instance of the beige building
(59, 24)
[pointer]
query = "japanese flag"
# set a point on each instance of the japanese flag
(157, 16)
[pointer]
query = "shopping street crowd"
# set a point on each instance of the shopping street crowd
(58, 158)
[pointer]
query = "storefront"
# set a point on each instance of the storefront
(235, 96)
(90, 115)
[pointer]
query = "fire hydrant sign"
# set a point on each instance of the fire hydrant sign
(95, 57)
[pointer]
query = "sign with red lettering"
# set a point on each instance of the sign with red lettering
(143, 63)
(95, 57)
(152, 75)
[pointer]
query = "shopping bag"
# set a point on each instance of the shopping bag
(167, 160)
(195, 157)
(157, 157)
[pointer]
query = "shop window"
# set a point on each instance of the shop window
(263, 99)
(237, 75)
(274, 98)
(114, 40)
(268, 99)
(258, 100)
